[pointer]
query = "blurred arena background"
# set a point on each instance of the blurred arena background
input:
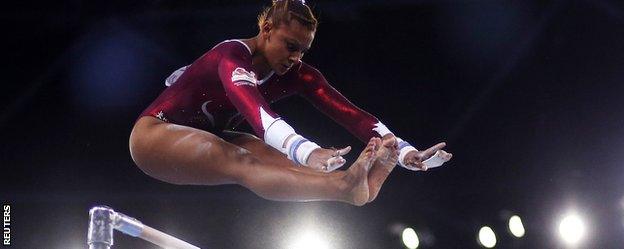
(527, 94)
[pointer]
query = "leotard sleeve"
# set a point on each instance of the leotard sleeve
(329, 101)
(240, 84)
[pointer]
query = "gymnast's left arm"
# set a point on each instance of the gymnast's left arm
(360, 123)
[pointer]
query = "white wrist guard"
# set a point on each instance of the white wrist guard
(297, 148)
(404, 148)
(276, 134)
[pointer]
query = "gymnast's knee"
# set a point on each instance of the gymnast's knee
(143, 157)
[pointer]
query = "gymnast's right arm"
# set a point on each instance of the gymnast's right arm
(239, 82)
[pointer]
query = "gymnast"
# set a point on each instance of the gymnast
(186, 135)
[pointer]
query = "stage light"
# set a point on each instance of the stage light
(410, 238)
(572, 229)
(515, 226)
(487, 238)
(309, 240)
(622, 209)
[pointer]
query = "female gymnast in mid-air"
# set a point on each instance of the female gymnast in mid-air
(185, 136)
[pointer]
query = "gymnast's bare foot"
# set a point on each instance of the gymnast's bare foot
(387, 158)
(356, 176)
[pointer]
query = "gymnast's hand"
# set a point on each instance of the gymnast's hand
(415, 160)
(327, 160)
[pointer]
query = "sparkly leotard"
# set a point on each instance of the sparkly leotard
(220, 89)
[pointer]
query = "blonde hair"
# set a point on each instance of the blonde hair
(283, 11)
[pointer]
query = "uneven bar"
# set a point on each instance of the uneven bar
(102, 221)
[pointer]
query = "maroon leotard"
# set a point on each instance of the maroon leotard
(212, 92)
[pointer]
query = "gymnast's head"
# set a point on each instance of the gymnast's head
(287, 30)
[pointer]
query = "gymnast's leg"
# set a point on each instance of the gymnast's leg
(265, 152)
(385, 162)
(184, 155)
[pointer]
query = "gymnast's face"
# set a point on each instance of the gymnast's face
(286, 44)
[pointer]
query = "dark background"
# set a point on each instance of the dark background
(527, 94)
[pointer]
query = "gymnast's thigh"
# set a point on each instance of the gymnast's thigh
(185, 155)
